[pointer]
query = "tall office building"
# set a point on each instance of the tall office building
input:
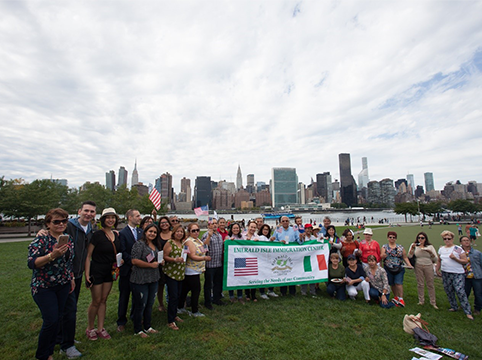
(324, 186)
(387, 192)
(186, 188)
(347, 183)
(411, 183)
(239, 179)
(202, 191)
(301, 193)
(110, 180)
(250, 180)
(363, 175)
(284, 186)
(122, 180)
(135, 176)
(429, 186)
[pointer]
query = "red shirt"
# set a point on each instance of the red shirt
(224, 234)
(369, 249)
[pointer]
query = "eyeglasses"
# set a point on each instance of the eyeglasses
(195, 230)
(421, 237)
(174, 221)
(447, 239)
(58, 222)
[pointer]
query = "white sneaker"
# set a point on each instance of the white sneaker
(182, 311)
(264, 296)
(71, 352)
(198, 314)
(272, 294)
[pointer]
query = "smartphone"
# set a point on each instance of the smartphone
(63, 239)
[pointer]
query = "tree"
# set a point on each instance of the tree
(431, 208)
(97, 193)
(463, 206)
(406, 208)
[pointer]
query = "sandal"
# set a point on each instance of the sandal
(452, 310)
(151, 331)
(178, 319)
(173, 326)
(142, 334)
(161, 308)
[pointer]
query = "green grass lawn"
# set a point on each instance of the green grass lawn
(282, 328)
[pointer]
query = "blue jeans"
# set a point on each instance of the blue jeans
(51, 302)
(475, 284)
(377, 296)
(239, 293)
(174, 288)
(143, 297)
(395, 279)
(331, 289)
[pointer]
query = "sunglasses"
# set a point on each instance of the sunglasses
(174, 221)
(421, 237)
(447, 239)
(195, 230)
(392, 237)
(58, 222)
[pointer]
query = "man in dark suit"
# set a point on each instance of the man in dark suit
(127, 236)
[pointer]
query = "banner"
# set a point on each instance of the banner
(255, 264)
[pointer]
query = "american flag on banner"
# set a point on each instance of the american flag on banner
(203, 210)
(245, 266)
(155, 197)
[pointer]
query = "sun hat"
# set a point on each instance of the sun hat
(368, 231)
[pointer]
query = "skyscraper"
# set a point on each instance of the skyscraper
(202, 191)
(239, 179)
(363, 175)
(110, 180)
(135, 175)
(324, 186)
(429, 186)
(411, 183)
(122, 180)
(347, 183)
(186, 188)
(284, 186)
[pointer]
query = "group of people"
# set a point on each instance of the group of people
(147, 255)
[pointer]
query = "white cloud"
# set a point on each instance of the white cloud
(198, 88)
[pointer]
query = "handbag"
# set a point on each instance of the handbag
(115, 269)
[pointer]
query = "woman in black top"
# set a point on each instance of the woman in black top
(101, 256)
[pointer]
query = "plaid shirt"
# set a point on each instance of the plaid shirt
(215, 250)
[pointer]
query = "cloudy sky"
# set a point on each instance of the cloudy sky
(197, 87)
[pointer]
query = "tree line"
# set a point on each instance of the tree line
(436, 208)
(20, 199)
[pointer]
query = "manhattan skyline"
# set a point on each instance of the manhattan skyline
(196, 90)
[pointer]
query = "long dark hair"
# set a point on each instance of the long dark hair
(156, 240)
(426, 238)
(260, 232)
(230, 233)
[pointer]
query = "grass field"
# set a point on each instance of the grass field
(283, 328)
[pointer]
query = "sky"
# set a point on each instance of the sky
(196, 88)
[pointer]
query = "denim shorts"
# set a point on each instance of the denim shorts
(395, 279)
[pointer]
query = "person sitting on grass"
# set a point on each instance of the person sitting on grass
(355, 279)
(378, 280)
(336, 286)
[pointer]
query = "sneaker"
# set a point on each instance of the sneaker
(182, 311)
(151, 331)
(264, 296)
(401, 302)
(91, 334)
(198, 314)
(272, 294)
(71, 352)
(396, 301)
(141, 334)
(103, 334)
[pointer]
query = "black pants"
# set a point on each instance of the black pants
(191, 283)
(213, 280)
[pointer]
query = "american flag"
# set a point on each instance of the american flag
(457, 249)
(155, 197)
(203, 210)
(245, 266)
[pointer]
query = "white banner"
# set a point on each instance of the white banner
(253, 264)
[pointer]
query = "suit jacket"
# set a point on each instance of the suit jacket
(127, 240)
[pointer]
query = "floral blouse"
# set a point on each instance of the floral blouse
(175, 270)
(57, 272)
(380, 280)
